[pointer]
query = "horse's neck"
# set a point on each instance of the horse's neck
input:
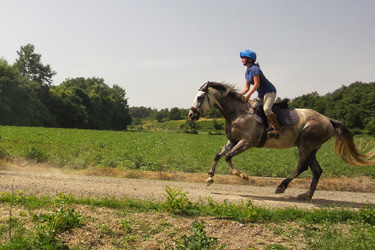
(232, 107)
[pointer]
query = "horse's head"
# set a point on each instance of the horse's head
(221, 95)
(202, 103)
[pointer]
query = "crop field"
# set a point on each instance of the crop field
(161, 151)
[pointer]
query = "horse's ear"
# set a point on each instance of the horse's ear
(204, 87)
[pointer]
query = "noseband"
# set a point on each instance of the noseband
(194, 109)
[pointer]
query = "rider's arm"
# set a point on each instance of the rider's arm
(247, 87)
(254, 88)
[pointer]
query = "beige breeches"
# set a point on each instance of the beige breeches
(268, 101)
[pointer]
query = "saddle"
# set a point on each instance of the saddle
(285, 114)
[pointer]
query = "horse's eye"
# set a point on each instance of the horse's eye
(200, 98)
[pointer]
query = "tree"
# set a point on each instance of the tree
(353, 104)
(91, 104)
(141, 112)
(38, 75)
(19, 104)
(214, 113)
(29, 64)
(174, 114)
(121, 117)
(160, 115)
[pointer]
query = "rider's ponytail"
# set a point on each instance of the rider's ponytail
(254, 63)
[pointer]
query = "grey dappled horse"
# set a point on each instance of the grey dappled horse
(243, 132)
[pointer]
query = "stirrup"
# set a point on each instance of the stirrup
(270, 129)
(272, 133)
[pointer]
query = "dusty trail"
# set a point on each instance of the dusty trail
(53, 181)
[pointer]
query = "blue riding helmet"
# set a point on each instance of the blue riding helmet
(249, 54)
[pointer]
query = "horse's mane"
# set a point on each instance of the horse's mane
(224, 88)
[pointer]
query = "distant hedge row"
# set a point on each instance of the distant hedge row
(354, 105)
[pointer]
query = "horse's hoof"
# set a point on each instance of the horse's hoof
(304, 197)
(210, 181)
(236, 173)
(244, 176)
(279, 190)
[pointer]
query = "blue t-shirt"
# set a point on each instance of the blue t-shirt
(265, 85)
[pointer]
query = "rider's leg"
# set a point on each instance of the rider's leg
(269, 100)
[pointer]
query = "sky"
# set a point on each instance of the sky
(162, 51)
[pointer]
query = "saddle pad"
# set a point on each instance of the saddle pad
(284, 116)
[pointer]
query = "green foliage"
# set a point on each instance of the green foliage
(198, 240)
(176, 200)
(243, 212)
(45, 236)
(141, 112)
(174, 114)
(154, 150)
(27, 97)
(331, 237)
(354, 105)
(370, 126)
(50, 225)
(29, 65)
(148, 114)
(215, 126)
(89, 104)
(19, 100)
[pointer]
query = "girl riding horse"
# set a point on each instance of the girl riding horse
(266, 90)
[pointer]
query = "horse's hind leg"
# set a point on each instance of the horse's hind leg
(218, 156)
(302, 167)
(303, 164)
(317, 172)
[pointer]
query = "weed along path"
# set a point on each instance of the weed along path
(42, 181)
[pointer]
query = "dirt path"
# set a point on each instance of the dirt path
(52, 181)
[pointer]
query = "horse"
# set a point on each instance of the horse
(243, 132)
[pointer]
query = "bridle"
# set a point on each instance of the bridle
(197, 109)
(194, 109)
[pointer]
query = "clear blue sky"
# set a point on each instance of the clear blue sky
(162, 51)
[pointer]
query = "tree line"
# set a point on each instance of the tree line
(354, 105)
(141, 114)
(28, 98)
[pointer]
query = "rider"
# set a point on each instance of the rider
(266, 90)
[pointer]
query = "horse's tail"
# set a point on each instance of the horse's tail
(346, 149)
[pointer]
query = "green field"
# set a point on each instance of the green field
(159, 151)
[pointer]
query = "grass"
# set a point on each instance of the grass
(198, 240)
(327, 228)
(177, 202)
(47, 228)
(158, 151)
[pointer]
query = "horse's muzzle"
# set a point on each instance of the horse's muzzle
(193, 114)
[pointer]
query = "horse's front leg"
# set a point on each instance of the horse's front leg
(218, 156)
(240, 147)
